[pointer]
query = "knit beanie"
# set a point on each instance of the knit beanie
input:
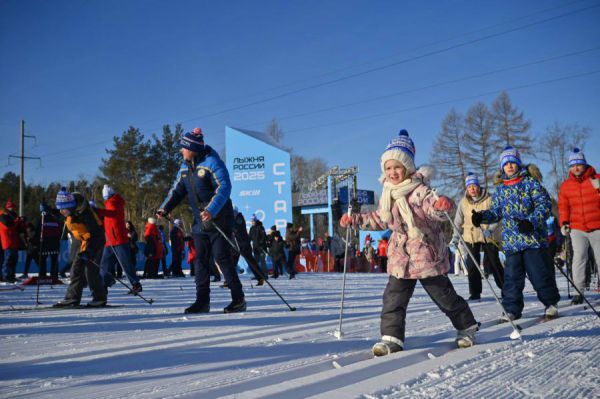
(177, 222)
(577, 158)
(107, 192)
(65, 199)
(510, 154)
(152, 220)
(193, 141)
(401, 149)
(472, 179)
(253, 218)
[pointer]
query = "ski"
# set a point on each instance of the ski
(46, 308)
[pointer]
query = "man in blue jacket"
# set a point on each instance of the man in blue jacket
(204, 179)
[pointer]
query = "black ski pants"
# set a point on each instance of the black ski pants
(398, 292)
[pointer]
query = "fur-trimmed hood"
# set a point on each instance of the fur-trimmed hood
(530, 169)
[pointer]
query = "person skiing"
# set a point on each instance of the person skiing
(204, 179)
(477, 238)
(117, 252)
(417, 250)
(523, 205)
(85, 226)
(579, 215)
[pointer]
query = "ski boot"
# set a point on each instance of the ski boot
(197, 307)
(551, 313)
(236, 306)
(387, 345)
(67, 303)
(466, 338)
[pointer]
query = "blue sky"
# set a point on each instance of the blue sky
(81, 72)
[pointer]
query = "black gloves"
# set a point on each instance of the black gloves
(477, 218)
(525, 226)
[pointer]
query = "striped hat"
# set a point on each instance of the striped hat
(510, 154)
(193, 141)
(472, 179)
(401, 149)
(65, 199)
(577, 158)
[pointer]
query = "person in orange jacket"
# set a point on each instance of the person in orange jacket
(579, 215)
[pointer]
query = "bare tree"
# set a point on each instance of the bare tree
(554, 147)
(448, 154)
(510, 126)
(274, 131)
(480, 153)
(305, 171)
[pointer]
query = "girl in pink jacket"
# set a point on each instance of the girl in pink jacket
(416, 249)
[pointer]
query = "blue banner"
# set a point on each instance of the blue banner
(260, 177)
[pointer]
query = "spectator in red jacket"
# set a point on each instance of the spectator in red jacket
(117, 252)
(11, 226)
(382, 253)
(153, 250)
(579, 214)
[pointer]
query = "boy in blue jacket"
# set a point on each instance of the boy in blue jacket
(523, 205)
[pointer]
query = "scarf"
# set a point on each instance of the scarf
(398, 193)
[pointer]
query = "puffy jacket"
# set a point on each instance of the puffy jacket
(85, 226)
(412, 258)
(114, 220)
(521, 197)
(258, 236)
(152, 237)
(10, 227)
(462, 219)
(206, 177)
(51, 231)
(579, 202)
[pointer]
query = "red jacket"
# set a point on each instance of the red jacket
(382, 248)
(114, 221)
(191, 253)
(10, 227)
(152, 237)
(579, 202)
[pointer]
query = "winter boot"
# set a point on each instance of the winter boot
(198, 307)
(96, 303)
(551, 312)
(577, 300)
(466, 338)
(67, 303)
(260, 281)
(236, 306)
(387, 345)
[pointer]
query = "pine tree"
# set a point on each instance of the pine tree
(509, 126)
(480, 153)
(448, 154)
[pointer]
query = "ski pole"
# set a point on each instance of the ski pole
(515, 334)
(567, 261)
(40, 257)
(149, 301)
(338, 333)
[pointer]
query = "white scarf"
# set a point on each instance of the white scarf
(398, 193)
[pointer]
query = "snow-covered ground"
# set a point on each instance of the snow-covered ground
(143, 351)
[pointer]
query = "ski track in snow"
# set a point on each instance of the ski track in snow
(143, 351)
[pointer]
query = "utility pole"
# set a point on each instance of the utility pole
(22, 174)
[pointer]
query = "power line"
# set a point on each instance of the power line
(433, 85)
(387, 66)
(351, 76)
(514, 88)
